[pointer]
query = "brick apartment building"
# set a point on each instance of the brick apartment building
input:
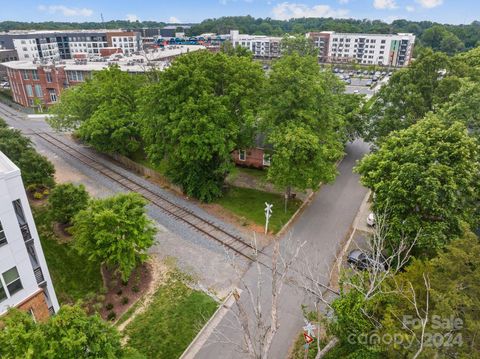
(41, 82)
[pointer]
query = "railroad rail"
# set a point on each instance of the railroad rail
(207, 228)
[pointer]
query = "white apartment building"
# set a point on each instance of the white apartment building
(368, 49)
(128, 41)
(261, 46)
(30, 49)
(25, 282)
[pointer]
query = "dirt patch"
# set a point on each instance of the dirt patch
(61, 231)
(158, 271)
(121, 296)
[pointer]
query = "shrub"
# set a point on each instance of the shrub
(66, 200)
(124, 300)
(37, 195)
(111, 315)
(135, 289)
(119, 292)
(109, 306)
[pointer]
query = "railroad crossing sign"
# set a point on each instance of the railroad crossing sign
(268, 214)
(308, 338)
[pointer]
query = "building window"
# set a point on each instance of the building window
(34, 74)
(25, 74)
(242, 155)
(3, 294)
(12, 281)
(29, 90)
(38, 91)
(266, 159)
(53, 95)
(3, 239)
(48, 76)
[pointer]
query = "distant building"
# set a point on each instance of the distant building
(54, 45)
(368, 49)
(261, 46)
(45, 80)
(25, 282)
(6, 55)
(254, 157)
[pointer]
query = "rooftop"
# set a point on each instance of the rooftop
(156, 58)
(7, 167)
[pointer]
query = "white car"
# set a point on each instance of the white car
(371, 219)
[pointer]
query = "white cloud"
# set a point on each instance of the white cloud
(132, 17)
(286, 10)
(343, 1)
(66, 11)
(410, 8)
(173, 20)
(430, 3)
(384, 4)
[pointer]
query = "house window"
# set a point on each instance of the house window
(12, 281)
(242, 155)
(29, 90)
(266, 159)
(3, 239)
(25, 74)
(35, 74)
(48, 76)
(53, 95)
(38, 91)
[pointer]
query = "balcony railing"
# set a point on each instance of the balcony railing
(51, 310)
(39, 276)
(25, 232)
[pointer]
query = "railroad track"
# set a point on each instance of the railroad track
(207, 228)
(8, 112)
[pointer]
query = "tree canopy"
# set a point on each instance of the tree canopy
(203, 107)
(425, 180)
(115, 231)
(102, 111)
(66, 200)
(35, 168)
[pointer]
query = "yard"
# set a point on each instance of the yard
(74, 277)
(171, 321)
(250, 204)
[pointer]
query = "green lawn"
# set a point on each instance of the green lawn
(73, 276)
(141, 158)
(250, 204)
(172, 320)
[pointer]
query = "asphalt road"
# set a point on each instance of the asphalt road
(323, 226)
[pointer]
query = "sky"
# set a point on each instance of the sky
(183, 11)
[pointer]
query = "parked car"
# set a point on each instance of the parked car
(342, 71)
(371, 219)
(374, 78)
(372, 72)
(4, 85)
(348, 81)
(335, 70)
(363, 260)
(369, 83)
(390, 73)
(384, 73)
(365, 72)
(359, 72)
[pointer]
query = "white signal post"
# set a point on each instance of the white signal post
(268, 213)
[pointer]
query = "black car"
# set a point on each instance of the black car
(363, 260)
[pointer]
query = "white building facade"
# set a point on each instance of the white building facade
(25, 282)
(261, 46)
(368, 49)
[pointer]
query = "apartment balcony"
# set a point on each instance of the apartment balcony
(27, 236)
(39, 276)
(51, 311)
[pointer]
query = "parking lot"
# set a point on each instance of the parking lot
(362, 82)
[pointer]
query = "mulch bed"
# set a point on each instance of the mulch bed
(118, 292)
(61, 232)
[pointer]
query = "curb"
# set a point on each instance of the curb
(198, 342)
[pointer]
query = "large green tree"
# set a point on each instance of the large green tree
(303, 120)
(102, 110)
(66, 200)
(409, 95)
(425, 180)
(203, 107)
(70, 334)
(35, 168)
(115, 231)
